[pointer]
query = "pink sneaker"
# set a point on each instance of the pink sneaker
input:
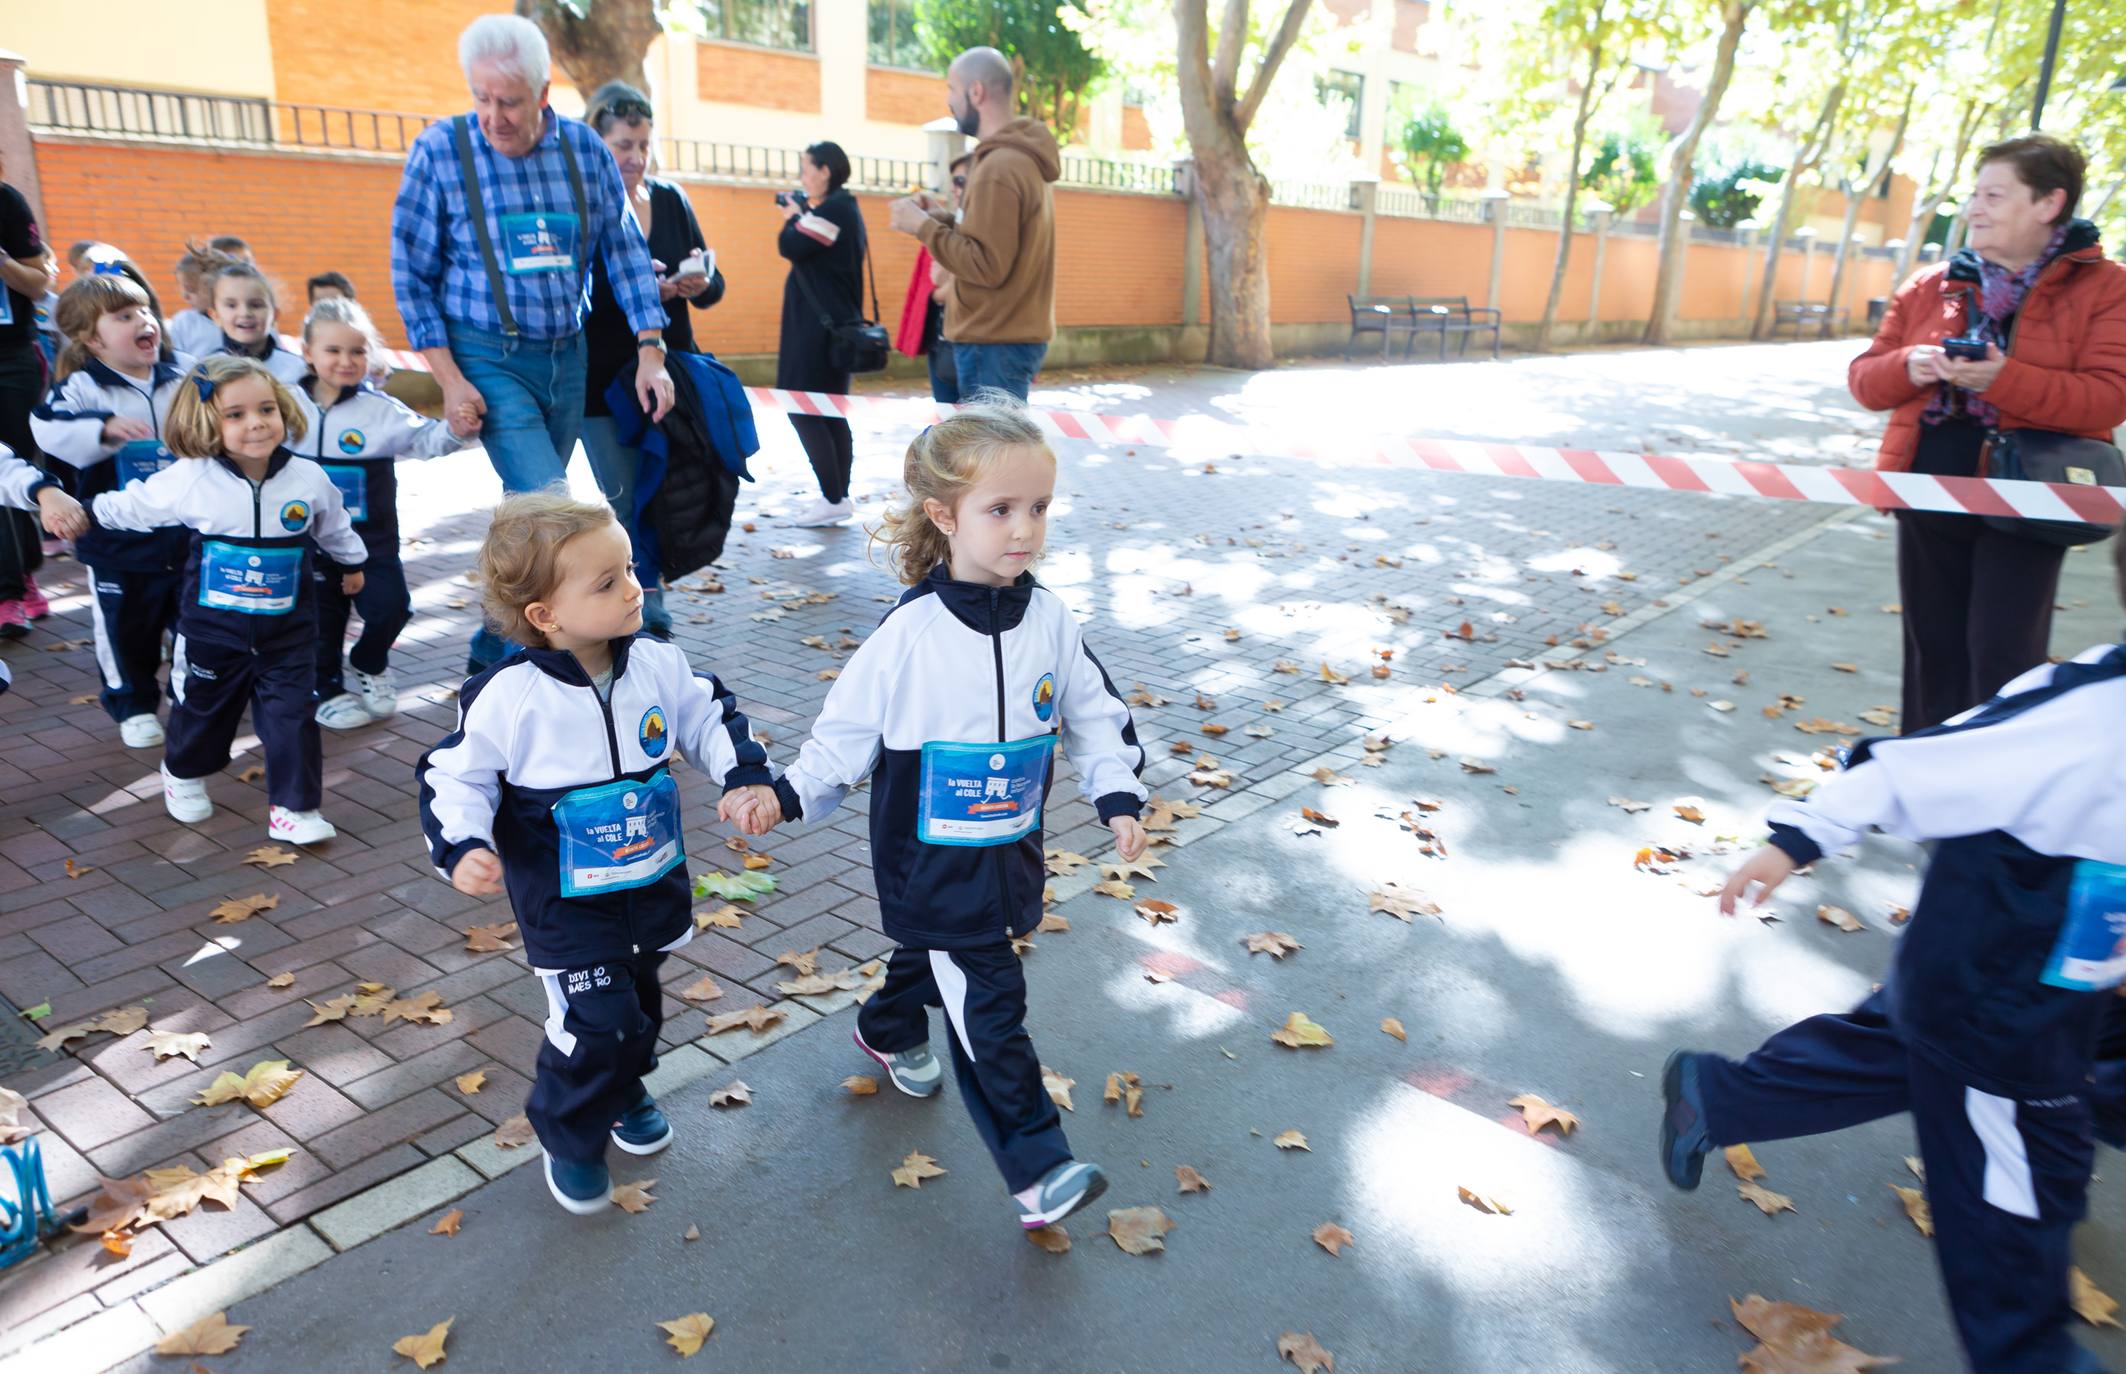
(33, 603)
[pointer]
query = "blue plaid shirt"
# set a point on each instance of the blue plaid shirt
(436, 268)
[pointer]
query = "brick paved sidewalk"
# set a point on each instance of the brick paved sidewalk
(1160, 557)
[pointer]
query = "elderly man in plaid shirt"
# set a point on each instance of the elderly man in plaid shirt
(497, 217)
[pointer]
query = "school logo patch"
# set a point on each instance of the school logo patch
(353, 441)
(651, 733)
(295, 515)
(1044, 696)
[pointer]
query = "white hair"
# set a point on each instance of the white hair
(511, 42)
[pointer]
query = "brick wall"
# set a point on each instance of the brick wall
(404, 57)
(733, 74)
(893, 96)
(1136, 129)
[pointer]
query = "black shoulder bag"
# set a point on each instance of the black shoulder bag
(853, 346)
(2040, 455)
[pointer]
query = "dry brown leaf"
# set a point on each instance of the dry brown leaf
(727, 917)
(262, 1085)
(692, 1233)
(1390, 1026)
(1628, 806)
(1332, 1238)
(1292, 1140)
(1743, 1163)
(1300, 1032)
(1768, 1202)
(1140, 867)
(702, 989)
(1138, 1230)
(1058, 1088)
(1536, 1114)
(270, 856)
(426, 1008)
(1916, 1208)
(1483, 1202)
(1275, 943)
(1329, 777)
(1401, 902)
(1128, 1089)
(1120, 891)
(1052, 1238)
(1332, 677)
(1052, 924)
(1152, 909)
(1303, 1350)
(1061, 861)
(860, 1085)
(756, 862)
(243, 908)
(755, 1018)
(332, 1009)
(1840, 917)
(165, 1044)
(281, 980)
(914, 1169)
(210, 1335)
(426, 1349)
(687, 1333)
(736, 1095)
(515, 1132)
(448, 1223)
(1477, 767)
(1189, 1180)
(634, 1198)
(803, 963)
(1797, 1340)
(1691, 814)
(490, 939)
(2091, 1303)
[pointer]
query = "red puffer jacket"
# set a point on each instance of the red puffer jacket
(2066, 368)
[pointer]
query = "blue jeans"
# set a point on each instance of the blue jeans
(534, 394)
(944, 373)
(997, 367)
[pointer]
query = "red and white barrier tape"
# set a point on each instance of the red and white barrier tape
(1663, 472)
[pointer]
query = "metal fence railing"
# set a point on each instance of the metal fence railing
(1411, 204)
(1315, 195)
(79, 107)
(1150, 178)
(779, 166)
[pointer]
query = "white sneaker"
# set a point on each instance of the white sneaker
(379, 694)
(185, 798)
(824, 514)
(343, 712)
(298, 827)
(140, 732)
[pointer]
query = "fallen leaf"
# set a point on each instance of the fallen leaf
(726, 917)
(1299, 1031)
(425, 1008)
(687, 1333)
(1119, 890)
(427, 1349)
(1061, 861)
(12, 1105)
(1845, 667)
(736, 1095)
(273, 856)
(1154, 911)
(1391, 1026)
(702, 989)
(634, 1198)
(692, 1233)
(1138, 1230)
(1477, 767)
(914, 1169)
(1052, 924)
(805, 962)
(1052, 1238)
(1840, 917)
(243, 908)
(1332, 1238)
(1797, 1340)
(165, 1044)
(1128, 1089)
(1401, 902)
(1275, 943)
(1332, 677)
(1580, 724)
(332, 1009)
(1768, 1202)
(489, 939)
(755, 1018)
(1189, 1180)
(1140, 867)
(2091, 1303)
(1743, 1163)
(1536, 1114)
(1628, 806)
(448, 1223)
(759, 861)
(515, 1132)
(1058, 1088)
(1292, 1140)
(262, 1085)
(860, 1085)
(1482, 1203)
(1916, 1208)
(281, 980)
(1691, 814)
(210, 1335)
(1303, 1350)
(1329, 777)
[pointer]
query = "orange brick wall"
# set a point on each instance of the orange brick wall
(1136, 129)
(1119, 258)
(1313, 263)
(892, 96)
(734, 74)
(393, 57)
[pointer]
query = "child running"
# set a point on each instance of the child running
(557, 787)
(192, 329)
(247, 625)
(1986, 1031)
(959, 774)
(244, 310)
(103, 426)
(356, 433)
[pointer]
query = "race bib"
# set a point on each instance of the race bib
(353, 481)
(2091, 951)
(250, 580)
(981, 794)
(539, 242)
(618, 835)
(7, 306)
(140, 459)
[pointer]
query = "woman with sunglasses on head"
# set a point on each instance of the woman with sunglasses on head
(686, 276)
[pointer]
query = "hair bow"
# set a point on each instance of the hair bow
(107, 267)
(203, 384)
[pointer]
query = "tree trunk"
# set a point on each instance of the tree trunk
(1876, 177)
(1928, 206)
(1805, 159)
(608, 42)
(1572, 183)
(1675, 195)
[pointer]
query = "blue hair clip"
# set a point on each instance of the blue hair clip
(203, 384)
(107, 267)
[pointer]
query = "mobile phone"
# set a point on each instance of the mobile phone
(1968, 347)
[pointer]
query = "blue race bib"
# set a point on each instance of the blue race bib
(140, 459)
(353, 481)
(537, 241)
(247, 579)
(982, 794)
(2091, 951)
(618, 835)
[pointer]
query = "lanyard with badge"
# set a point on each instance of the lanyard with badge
(140, 459)
(982, 794)
(250, 579)
(533, 241)
(618, 834)
(2090, 953)
(352, 479)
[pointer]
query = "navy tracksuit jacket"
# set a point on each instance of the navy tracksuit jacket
(1986, 1030)
(953, 708)
(574, 792)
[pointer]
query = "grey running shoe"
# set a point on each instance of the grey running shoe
(915, 1072)
(1063, 1190)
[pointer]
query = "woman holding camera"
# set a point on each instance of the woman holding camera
(823, 238)
(2025, 329)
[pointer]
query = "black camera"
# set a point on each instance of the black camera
(785, 199)
(1968, 347)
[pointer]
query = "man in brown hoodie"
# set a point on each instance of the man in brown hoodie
(1001, 253)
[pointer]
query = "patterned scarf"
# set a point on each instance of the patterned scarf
(1998, 297)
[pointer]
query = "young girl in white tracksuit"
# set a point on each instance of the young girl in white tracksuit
(247, 628)
(23, 486)
(103, 426)
(954, 707)
(355, 433)
(557, 787)
(244, 311)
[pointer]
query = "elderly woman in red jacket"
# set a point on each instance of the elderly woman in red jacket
(2035, 285)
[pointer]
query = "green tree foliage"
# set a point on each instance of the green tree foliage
(1430, 144)
(1626, 169)
(1049, 59)
(1724, 196)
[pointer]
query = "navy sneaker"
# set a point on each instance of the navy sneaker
(1684, 1143)
(643, 1130)
(582, 1186)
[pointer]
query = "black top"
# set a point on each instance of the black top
(19, 236)
(835, 272)
(608, 339)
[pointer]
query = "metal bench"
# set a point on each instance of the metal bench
(1802, 315)
(1386, 316)
(1453, 316)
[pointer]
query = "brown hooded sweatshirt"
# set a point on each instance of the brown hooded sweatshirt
(1002, 253)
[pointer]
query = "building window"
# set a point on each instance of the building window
(1345, 86)
(893, 39)
(766, 23)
